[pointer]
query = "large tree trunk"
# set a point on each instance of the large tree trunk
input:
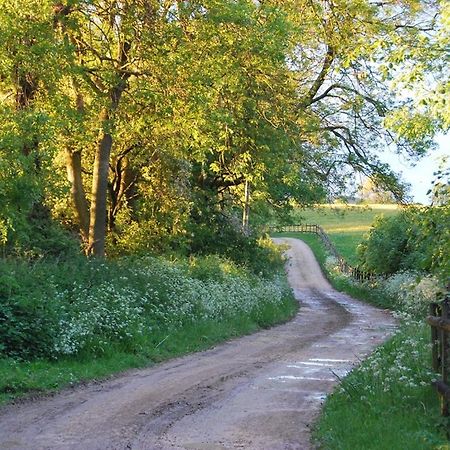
(74, 174)
(97, 223)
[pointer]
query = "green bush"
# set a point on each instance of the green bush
(27, 316)
(432, 240)
(219, 236)
(92, 307)
(27, 328)
(212, 267)
(386, 245)
(415, 239)
(38, 237)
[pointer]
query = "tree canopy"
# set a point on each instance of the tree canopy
(140, 123)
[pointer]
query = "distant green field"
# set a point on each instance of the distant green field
(346, 224)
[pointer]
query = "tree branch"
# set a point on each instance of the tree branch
(379, 106)
(318, 82)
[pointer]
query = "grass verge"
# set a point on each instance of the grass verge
(20, 379)
(387, 402)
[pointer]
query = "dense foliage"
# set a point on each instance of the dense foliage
(415, 239)
(138, 124)
(50, 310)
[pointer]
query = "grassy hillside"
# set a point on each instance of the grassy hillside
(344, 218)
(345, 224)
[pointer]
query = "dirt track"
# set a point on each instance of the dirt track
(258, 392)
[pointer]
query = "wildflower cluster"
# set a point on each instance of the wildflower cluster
(412, 293)
(98, 315)
(127, 301)
(332, 264)
(334, 271)
(399, 367)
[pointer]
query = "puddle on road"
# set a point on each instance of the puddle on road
(315, 369)
(284, 378)
(331, 360)
(318, 397)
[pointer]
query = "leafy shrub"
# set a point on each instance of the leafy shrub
(27, 328)
(415, 239)
(27, 311)
(386, 245)
(219, 236)
(432, 239)
(212, 267)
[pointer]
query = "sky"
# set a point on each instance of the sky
(420, 176)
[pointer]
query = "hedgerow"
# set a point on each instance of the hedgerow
(57, 309)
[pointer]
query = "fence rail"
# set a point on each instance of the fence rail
(344, 267)
(439, 320)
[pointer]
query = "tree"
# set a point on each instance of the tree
(369, 192)
(440, 192)
(170, 109)
(26, 128)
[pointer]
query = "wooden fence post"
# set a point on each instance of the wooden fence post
(434, 312)
(444, 363)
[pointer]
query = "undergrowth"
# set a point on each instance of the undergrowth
(388, 402)
(65, 322)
